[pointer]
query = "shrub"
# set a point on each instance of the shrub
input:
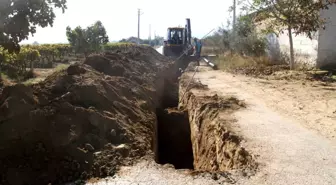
(244, 40)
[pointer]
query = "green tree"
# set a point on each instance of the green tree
(77, 39)
(295, 16)
(96, 36)
(243, 39)
(19, 18)
(87, 40)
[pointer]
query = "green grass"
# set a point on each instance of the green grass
(4, 76)
(121, 46)
(32, 81)
(118, 45)
(230, 62)
(40, 77)
(206, 50)
(60, 67)
(5, 79)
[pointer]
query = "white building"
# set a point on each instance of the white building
(327, 40)
(319, 51)
(305, 49)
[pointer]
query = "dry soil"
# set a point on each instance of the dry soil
(289, 125)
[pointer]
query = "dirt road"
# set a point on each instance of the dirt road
(148, 172)
(289, 126)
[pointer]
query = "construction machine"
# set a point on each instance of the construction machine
(178, 41)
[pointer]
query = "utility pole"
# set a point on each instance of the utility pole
(139, 14)
(155, 41)
(150, 35)
(234, 15)
(234, 23)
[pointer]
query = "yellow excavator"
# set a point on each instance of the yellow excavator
(178, 41)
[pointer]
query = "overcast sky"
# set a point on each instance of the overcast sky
(120, 17)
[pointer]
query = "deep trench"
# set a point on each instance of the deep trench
(173, 138)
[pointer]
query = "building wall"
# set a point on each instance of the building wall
(305, 49)
(327, 40)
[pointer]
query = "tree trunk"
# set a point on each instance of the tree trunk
(1, 61)
(291, 62)
(31, 65)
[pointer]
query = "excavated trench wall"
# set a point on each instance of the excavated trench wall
(214, 146)
(172, 131)
(192, 130)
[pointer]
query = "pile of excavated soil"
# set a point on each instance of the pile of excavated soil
(260, 70)
(282, 72)
(84, 121)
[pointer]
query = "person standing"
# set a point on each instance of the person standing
(198, 50)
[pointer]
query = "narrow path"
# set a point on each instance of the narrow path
(289, 152)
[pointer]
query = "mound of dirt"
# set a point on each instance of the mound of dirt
(83, 121)
(282, 72)
(260, 70)
(190, 83)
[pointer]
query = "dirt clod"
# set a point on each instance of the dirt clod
(75, 70)
(89, 147)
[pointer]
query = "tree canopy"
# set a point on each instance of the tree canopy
(301, 15)
(295, 16)
(19, 18)
(158, 40)
(242, 39)
(89, 39)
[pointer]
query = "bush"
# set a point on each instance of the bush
(115, 46)
(231, 62)
(244, 40)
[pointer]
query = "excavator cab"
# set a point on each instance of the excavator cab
(178, 41)
(175, 35)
